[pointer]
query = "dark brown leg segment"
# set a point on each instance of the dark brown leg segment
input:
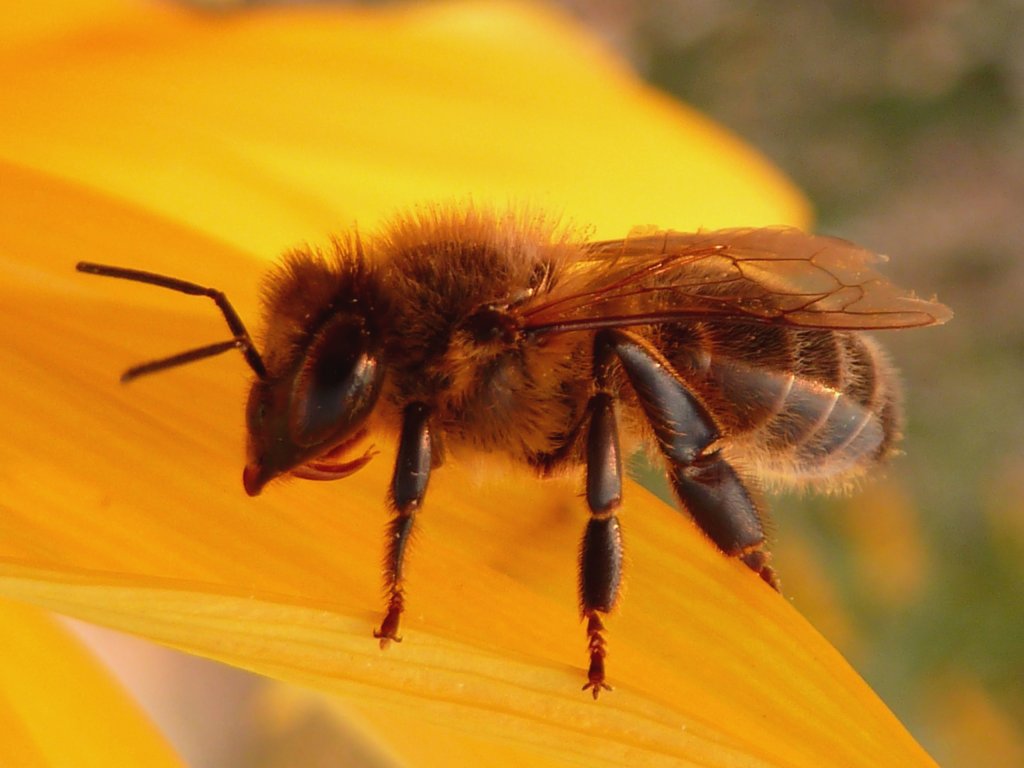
(707, 486)
(601, 550)
(408, 487)
(714, 495)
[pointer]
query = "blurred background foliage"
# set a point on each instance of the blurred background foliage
(903, 122)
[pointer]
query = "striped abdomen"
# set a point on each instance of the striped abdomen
(795, 404)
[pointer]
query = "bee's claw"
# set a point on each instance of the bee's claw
(596, 686)
(389, 627)
(385, 639)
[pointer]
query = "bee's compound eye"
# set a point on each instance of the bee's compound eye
(337, 384)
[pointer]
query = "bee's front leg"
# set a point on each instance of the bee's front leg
(408, 487)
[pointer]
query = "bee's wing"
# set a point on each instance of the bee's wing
(777, 275)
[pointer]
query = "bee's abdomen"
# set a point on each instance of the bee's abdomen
(798, 404)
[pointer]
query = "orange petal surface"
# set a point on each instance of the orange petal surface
(270, 127)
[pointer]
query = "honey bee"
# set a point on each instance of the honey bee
(736, 356)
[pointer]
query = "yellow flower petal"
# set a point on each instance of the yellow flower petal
(123, 504)
(264, 129)
(22, 27)
(58, 707)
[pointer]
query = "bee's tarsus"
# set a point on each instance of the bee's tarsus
(597, 645)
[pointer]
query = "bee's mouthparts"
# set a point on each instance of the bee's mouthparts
(253, 479)
(328, 466)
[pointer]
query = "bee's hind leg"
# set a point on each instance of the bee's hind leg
(705, 483)
(711, 491)
(408, 488)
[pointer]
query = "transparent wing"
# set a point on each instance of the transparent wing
(777, 275)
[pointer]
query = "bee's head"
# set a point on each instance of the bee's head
(323, 355)
(320, 372)
(304, 420)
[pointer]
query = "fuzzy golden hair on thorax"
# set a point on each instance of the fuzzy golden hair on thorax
(447, 261)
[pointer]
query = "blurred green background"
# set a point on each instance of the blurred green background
(903, 122)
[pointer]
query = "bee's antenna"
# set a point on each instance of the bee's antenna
(241, 341)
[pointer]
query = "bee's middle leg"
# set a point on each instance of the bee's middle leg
(601, 549)
(408, 488)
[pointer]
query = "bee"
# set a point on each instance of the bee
(736, 356)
